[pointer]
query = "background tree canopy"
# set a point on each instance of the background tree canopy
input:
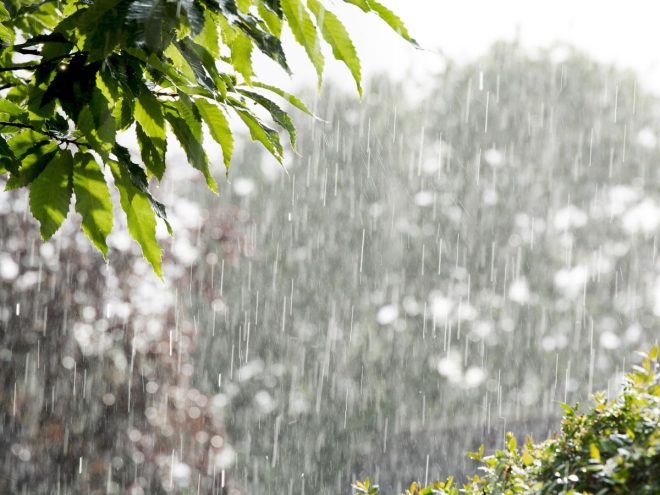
(411, 288)
(74, 75)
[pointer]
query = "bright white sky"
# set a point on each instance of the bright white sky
(623, 32)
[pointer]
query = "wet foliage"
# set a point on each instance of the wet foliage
(613, 448)
(76, 76)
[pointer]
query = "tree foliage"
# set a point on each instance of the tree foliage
(74, 75)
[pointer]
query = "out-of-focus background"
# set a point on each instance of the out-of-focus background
(444, 260)
(611, 32)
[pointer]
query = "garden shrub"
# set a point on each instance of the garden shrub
(612, 448)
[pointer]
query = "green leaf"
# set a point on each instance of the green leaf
(93, 201)
(50, 194)
(139, 215)
(192, 145)
(218, 126)
(103, 118)
(139, 179)
(208, 38)
(386, 15)
(568, 410)
(4, 13)
(149, 114)
(271, 19)
(10, 108)
(304, 32)
(189, 113)
(243, 5)
(268, 137)
(279, 116)
(26, 143)
(87, 19)
(273, 5)
(8, 160)
(653, 353)
(187, 49)
(392, 20)
(33, 164)
(362, 4)
(241, 55)
(6, 34)
(152, 152)
(270, 45)
(296, 102)
(337, 37)
(87, 126)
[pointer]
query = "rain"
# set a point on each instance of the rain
(427, 273)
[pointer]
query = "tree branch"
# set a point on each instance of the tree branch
(33, 66)
(166, 94)
(10, 68)
(20, 125)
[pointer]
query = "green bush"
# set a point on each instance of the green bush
(613, 448)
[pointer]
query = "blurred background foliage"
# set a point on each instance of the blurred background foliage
(433, 270)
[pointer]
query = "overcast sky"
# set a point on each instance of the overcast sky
(625, 33)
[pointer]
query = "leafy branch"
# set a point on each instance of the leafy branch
(155, 68)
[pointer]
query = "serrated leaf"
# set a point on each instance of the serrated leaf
(275, 6)
(270, 45)
(186, 48)
(296, 102)
(139, 215)
(93, 201)
(189, 113)
(32, 165)
(139, 180)
(261, 133)
(241, 55)
(103, 118)
(209, 38)
(392, 20)
(87, 126)
(279, 116)
(50, 194)
(270, 17)
(87, 19)
(362, 4)
(218, 126)
(152, 152)
(192, 146)
(304, 32)
(149, 114)
(337, 37)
